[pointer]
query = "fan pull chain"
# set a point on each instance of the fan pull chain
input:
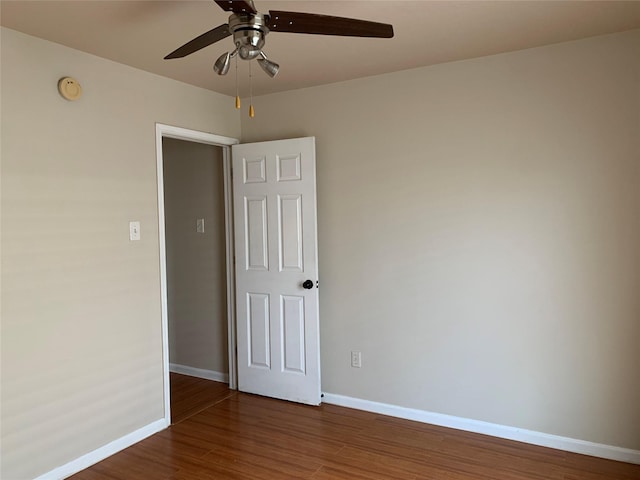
(237, 87)
(252, 112)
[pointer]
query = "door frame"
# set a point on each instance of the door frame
(169, 131)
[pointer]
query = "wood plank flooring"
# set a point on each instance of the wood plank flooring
(191, 395)
(244, 436)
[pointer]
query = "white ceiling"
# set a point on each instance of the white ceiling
(141, 33)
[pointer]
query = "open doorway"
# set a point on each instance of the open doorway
(196, 275)
(196, 263)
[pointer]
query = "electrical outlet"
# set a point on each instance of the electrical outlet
(356, 359)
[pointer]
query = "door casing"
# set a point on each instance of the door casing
(168, 131)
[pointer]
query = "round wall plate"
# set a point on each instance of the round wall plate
(69, 88)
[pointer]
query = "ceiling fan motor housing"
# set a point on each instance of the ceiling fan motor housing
(249, 32)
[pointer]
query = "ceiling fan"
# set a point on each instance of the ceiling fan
(249, 29)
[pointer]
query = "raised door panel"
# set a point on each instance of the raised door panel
(289, 168)
(258, 328)
(293, 334)
(290, 233)
(254, 170)
(256, 233)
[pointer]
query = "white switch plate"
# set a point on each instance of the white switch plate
(134, 231)
(200, 225)
(356, 359)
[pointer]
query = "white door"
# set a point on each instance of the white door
(274, 197)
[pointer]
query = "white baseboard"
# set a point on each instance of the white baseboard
(501, 431)
(199, 372)
(103, 452)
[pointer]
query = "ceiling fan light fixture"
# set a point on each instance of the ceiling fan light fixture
(221, 67)
(248, 52)
(271, 68)
(249, 29)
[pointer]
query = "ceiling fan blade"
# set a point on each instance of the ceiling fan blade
(237, 6)
(294, 22)
(204, 40)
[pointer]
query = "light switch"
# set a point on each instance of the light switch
(134, 231)
(200, 225)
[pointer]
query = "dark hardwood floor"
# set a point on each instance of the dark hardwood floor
(240, 436)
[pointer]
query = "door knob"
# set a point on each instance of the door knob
(308, 284)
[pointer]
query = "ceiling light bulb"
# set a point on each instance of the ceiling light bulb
(271, 68)
(221, 67)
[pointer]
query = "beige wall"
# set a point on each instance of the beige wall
(81, 330)
(479, 235)
(196, 273)
(479, 225)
